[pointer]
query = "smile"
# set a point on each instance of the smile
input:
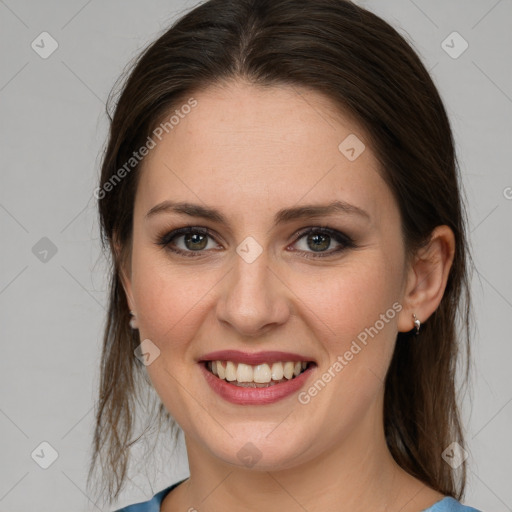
(257, 376)
(260, 378)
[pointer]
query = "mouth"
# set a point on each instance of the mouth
(261, 375)
(256, 378)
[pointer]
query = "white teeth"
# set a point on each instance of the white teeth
(230, 371)
(244, 373)
(264, 373)
(288, 369)
(221, 371)
(277, 371)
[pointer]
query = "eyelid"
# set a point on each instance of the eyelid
(339, 237)
(325, 230)
(171, 235)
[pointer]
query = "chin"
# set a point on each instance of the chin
(260, 449)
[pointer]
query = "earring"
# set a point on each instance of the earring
(133, 320)
(417, 324)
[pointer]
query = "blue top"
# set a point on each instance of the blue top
(447, 504)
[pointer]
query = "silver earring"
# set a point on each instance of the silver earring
(133, 320)
(417, 324)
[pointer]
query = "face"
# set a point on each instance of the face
(325, 288)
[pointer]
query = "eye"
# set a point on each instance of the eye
(320, 238)
(192, 241)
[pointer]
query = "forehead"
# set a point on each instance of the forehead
(247, 147)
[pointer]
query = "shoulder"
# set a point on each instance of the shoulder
(152, 505)
(449, 504)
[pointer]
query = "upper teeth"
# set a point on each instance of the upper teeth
(261, 373)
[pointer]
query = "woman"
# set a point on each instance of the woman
(280, 197)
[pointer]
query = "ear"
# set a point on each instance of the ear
(427, 278)
(124, 263)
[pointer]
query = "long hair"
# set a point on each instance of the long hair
(366, 68)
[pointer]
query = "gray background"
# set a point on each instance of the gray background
(52, 306)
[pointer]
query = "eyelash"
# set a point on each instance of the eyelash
(343, 239)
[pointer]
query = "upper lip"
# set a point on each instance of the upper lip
(253, 358)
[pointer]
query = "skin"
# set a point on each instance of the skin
(249, 152)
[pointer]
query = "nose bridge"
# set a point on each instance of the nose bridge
(252, 297)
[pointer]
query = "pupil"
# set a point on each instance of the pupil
(195, 238)
(315, 239)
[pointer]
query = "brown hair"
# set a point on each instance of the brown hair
(369, 70)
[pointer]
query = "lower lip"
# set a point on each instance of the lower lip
(254, 396)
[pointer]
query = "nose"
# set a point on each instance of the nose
(254, 298)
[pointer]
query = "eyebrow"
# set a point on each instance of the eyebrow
(282, 216)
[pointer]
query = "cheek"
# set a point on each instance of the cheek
(360, 309)
(170, 300)
(351, 299)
